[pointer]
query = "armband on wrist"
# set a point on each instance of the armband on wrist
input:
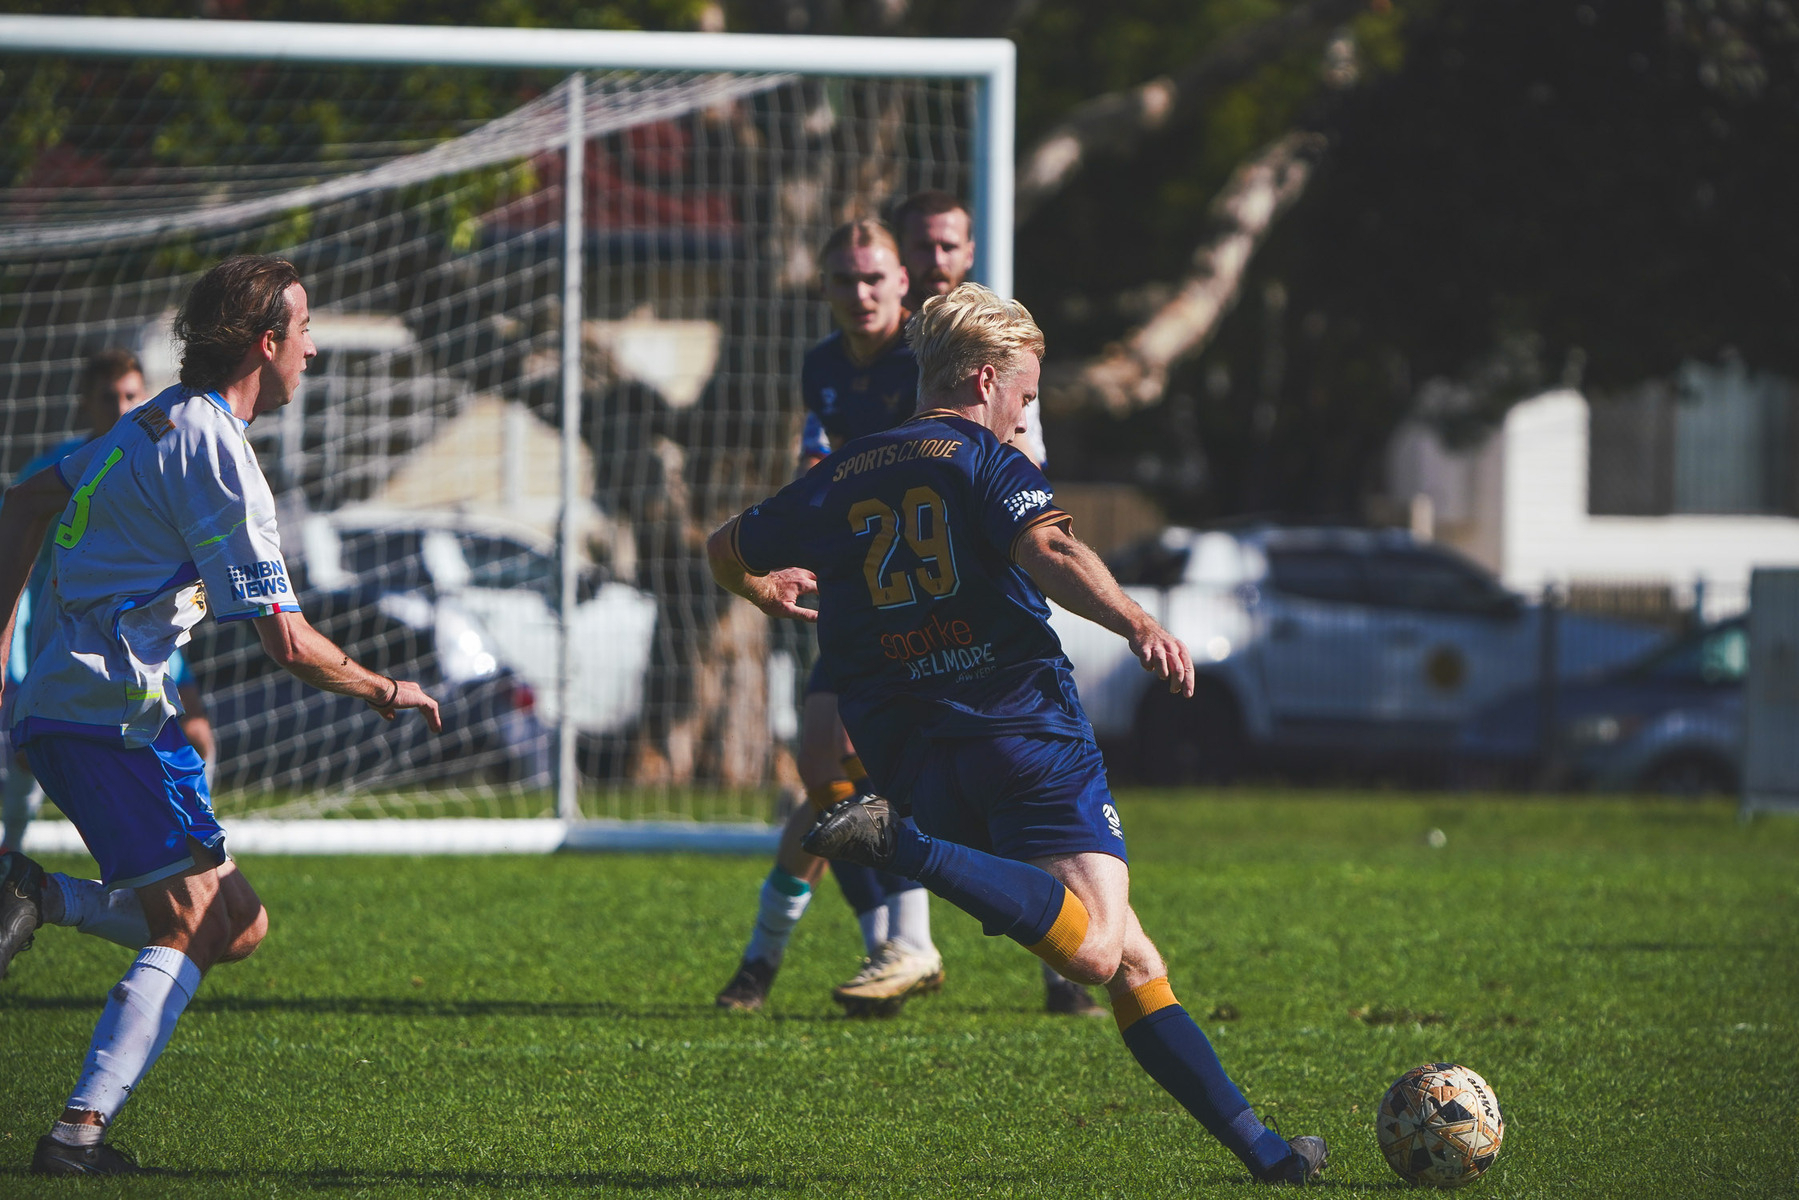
(392, 696)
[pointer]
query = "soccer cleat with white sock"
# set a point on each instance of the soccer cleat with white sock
(54, 1158)
(21, 906)
(749, 987)
(893, 972)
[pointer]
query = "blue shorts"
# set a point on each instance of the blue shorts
(1020, 796)
(819, 680)
(135, 807)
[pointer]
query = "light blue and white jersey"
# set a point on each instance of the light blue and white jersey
(170, 518)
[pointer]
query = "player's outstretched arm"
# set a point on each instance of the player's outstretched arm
(776, 593)
(24, 519)
(1072, 575)
(314, 658)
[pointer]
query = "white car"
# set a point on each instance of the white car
(1347, 645)
(489, 589)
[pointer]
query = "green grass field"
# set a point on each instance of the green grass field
(1625, 975)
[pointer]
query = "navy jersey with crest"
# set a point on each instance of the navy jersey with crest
(931, 629)
(846, 400)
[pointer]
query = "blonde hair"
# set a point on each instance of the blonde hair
(956, 334)
(864, 231)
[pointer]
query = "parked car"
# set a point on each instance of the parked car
(1347, 646)
(1671, 721)
(275, 732)
(488, 589)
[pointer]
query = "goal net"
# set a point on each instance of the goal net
(419, 470)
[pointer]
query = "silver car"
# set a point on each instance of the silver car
(1345, 646)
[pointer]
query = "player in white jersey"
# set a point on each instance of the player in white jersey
(163, 519)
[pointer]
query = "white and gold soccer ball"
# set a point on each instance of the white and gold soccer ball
(1439, 1124)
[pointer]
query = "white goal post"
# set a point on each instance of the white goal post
(607, 264)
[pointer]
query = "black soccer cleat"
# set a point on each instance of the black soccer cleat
(54, 1158)
(862, 830)
(21, 906)
(1066, 998)
(1310, 1156)
(749, 987)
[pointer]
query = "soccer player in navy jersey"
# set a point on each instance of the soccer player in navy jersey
(936, 246)
(863, 379)
(860, 379)
(932, 548)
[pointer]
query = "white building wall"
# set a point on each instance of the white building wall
(1547, 535)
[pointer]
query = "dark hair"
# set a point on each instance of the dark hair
(928, 203)
(228, 311)
(102, 369)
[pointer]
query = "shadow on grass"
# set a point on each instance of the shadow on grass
(323, 1178)
(408, 1006)
(1672, 947)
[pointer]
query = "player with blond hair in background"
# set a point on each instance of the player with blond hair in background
(859, 380)
(164, 519)
(934, 549)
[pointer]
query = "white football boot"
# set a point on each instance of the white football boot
(895, 970)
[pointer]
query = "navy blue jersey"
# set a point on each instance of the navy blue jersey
(845, 400)
(930, 628)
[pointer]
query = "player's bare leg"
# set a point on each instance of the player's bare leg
(1073, 911)
(207, 915)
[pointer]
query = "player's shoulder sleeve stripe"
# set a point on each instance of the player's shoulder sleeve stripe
(1049, 516)
(737, 547)
(261, 610)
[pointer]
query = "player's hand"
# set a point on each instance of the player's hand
(411, 695)
(1166, 655)
(778, 593)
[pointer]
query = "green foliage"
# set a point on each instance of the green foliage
(1539, 191)
(1620, 972)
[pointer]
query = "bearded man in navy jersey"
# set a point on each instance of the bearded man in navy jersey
(933, 548)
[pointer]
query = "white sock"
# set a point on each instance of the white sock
(141, 1011)
(778, 911)
(78, 1135)
(909, 918)
(874, 928)
(116, 916)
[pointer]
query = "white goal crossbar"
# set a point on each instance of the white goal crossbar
(993, 62)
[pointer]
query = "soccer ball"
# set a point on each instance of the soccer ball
(1439, 1124)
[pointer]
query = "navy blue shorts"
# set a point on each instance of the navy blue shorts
(1020, 796)
(135, 806)
(818, 680)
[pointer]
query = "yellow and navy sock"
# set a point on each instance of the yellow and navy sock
(827, 794)
(1022, 902)
(1167, 1043)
